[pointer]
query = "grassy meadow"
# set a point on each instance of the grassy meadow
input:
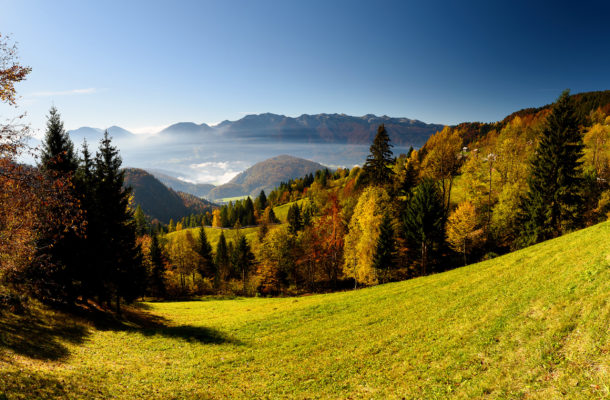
(531, 324)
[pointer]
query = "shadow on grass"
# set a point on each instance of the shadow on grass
(40, 334)
(45, 334)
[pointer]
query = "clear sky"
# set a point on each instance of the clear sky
(147, 64)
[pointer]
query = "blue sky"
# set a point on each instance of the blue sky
(146, 64)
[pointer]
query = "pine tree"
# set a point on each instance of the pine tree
(156, 279)
(244, 259)
(377, 165)
(385, 252)
(57, 256)
(424, 219)
(222, 259)
(552, 204)
(57, 149)
(295, 223)
(261, 202)
(206, 266)
(118, 257)
(140, 220)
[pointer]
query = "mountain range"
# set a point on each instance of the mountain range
(318, 128)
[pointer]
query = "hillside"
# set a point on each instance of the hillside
(160, 202)
(531, 324)
(265, 175)
(197, 189)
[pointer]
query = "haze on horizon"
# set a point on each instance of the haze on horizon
(146, 65)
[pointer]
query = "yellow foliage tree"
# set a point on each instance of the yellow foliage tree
(443, 155)
(361, 240)
(461, 227)
(597, 149)
(216, 218)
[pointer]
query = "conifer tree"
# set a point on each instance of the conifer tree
(118, 256)
(385, 252)
(156, 280)
(424, 219)
(222, 259)
(295, 223)
(57, 254)
(140, 220)
(261, 201)
(244, 259)
(206, 260)
(552, 204)
(57, 148)
(378, 164)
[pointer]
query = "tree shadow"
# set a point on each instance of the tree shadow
(44, 334)
(135, 319)
(40, 335)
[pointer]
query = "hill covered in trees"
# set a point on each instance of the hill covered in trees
(265, 175)
(179, 185)
(160, 202)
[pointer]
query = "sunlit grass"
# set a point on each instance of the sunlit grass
(281, 212)
(532, 324)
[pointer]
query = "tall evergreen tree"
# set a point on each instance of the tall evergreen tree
(424, 219)
(243, 259)
(552, 204)
(57, 148)
(378, 164)
(206, 265)
(295, 222)
(385, 252)
(140, 221)
(222, 259)
(156, 276)
(56, 263)
(118, 257)
(261, 202)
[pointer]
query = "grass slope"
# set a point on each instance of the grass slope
(281, 212)
(213, 234)
(532, 324)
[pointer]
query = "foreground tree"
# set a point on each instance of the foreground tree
(378, 165)
(118, 259)
(156, 276)
(552, 203)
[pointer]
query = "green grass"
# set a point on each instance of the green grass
(532, 324)
(281, 212)
(228, 199)
(213, 234)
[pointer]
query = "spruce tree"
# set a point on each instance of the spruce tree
(552, 204)
(244, 259)
(385, 252)
(140, 221)
(378, 164)
(206, 261)
(261, 202)
(295, 222)
(424, 219)
(57, 148)
(56, 264)
(118, 256)
(222, 260)
(156, 276)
